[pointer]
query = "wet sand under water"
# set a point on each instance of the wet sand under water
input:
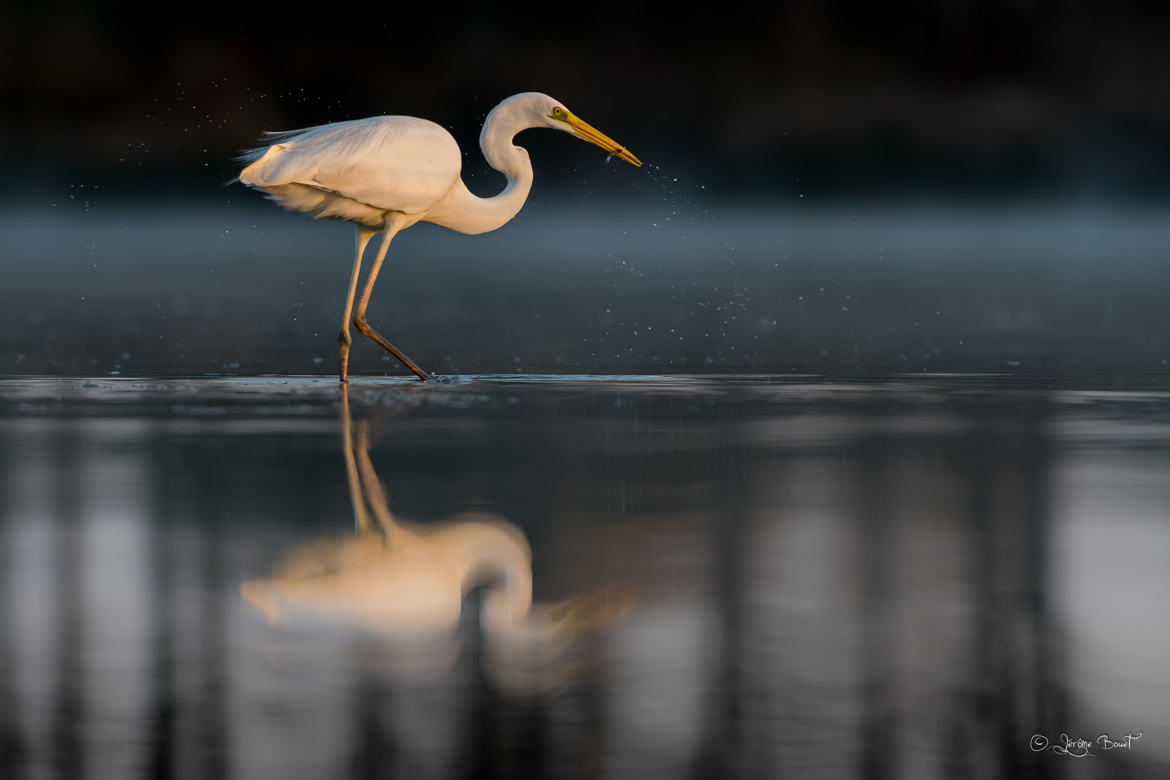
(923, 576)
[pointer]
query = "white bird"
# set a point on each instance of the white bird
(405, 584)
(386, 173)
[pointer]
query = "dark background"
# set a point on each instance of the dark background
(920, 99)
(832, 190)
(974, 185)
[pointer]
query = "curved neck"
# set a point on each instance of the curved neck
(506, 606)
(467, 213)
(488, 550)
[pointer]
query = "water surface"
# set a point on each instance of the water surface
(756, 576)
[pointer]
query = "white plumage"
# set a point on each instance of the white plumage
(357, 171)
(406, 583)
(386, 173)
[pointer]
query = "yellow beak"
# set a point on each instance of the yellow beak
(583, 129)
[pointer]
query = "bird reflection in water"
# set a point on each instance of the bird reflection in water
(406, 584)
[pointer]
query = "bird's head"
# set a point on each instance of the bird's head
(552, 113)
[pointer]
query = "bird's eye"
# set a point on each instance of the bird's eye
(559, 112)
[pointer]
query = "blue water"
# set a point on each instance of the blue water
(757, 576)
(241, 288)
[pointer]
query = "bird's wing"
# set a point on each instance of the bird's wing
(395, 163)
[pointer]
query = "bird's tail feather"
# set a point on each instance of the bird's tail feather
(246, 157)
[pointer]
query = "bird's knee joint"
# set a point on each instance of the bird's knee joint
(361, 324)
(343, 337)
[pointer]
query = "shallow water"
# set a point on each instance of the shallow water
(741, 576)
(164, 289)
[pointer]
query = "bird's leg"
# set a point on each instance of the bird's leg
(360, 516)
(393, 225)
(374, 489)
(362, 238)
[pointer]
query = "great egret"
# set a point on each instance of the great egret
(405, 584)
(386, 173)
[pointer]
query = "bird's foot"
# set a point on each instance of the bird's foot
(366, 330)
